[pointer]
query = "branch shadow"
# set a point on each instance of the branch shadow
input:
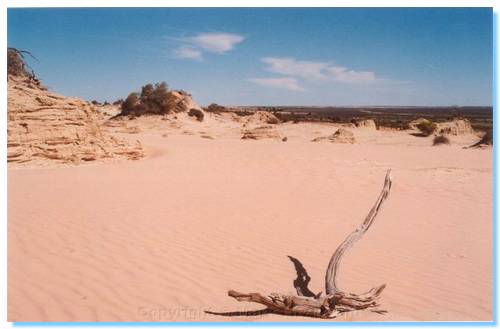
(242, 313)
(301, 283)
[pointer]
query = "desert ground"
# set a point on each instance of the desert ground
(161, 234)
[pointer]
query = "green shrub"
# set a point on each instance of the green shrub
(426, 127)
(155, 99)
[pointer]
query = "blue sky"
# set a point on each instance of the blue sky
(318, 56)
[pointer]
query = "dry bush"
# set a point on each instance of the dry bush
(130, 103)
(155, 99)
(196, 113)
(441, 139)
(215, 108)
(426, 127)
(18, 66)
(15, 63)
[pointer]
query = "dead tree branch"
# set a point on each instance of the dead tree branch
(335, 301)
(331, 272)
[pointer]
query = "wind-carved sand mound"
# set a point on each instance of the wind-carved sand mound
(456, 127)
(43, 126)
(342, 135)
(366, 124)
(261, 132)
(263, 117)
(185, 102)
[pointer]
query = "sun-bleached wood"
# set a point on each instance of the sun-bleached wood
(331, 271)
(335, 301)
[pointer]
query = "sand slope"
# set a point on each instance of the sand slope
(164, 238)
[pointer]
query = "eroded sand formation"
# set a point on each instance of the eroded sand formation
(261, 132)
(454, 127)
(366, 124)
(342, 135)
(43, 125)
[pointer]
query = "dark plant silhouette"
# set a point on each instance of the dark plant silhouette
(441, 139)
(155, 99)
(17, 64)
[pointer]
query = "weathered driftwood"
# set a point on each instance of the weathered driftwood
(335, 301)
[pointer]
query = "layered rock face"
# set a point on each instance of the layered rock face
(43, 126)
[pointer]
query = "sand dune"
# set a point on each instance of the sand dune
(164, 238)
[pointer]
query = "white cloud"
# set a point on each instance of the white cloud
(215, 42)
(311, 70)
(342, 74)
(188, 52)
(290, 66)
(283, 83)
